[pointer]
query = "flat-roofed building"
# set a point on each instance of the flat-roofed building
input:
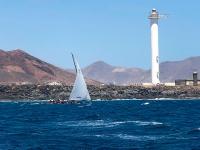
(185, 82)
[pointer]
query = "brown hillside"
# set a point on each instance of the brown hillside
(19, 66)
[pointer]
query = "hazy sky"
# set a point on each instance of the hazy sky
(115, 31)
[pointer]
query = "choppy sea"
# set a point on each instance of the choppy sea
(101, 125)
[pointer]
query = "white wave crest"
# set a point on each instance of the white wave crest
(146, 123)
(94, 123)
(137, 138)
(105, 123)
(130, 137)
(146, 103)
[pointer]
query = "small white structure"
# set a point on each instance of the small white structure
(154, 16)
(147, 84)
(169, 84)
(54, 83)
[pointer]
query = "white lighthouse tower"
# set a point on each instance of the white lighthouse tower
(154, 16)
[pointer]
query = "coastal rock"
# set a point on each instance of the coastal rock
(45, 92)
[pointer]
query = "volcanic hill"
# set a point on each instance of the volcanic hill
(18, 66)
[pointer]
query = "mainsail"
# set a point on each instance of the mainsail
(79, 91)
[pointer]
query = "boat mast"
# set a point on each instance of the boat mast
(74, 62)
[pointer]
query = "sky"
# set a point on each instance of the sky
(114, 31)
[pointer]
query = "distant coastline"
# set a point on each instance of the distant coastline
(17, 66)
(46, 92)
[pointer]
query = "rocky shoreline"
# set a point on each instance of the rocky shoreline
(46, 92)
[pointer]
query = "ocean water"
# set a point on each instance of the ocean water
(102, 125)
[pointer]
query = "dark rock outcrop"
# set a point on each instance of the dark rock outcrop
(45, 92)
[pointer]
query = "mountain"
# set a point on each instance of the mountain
(106, 73)
(19, 66)
(169, 72)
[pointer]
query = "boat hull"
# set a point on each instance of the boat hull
(69, 101)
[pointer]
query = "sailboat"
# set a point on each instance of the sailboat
(79, 91)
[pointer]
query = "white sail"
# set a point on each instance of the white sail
(79, 91)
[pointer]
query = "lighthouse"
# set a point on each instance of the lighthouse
(154, 17)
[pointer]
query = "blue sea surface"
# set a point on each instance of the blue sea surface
(102, 125)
